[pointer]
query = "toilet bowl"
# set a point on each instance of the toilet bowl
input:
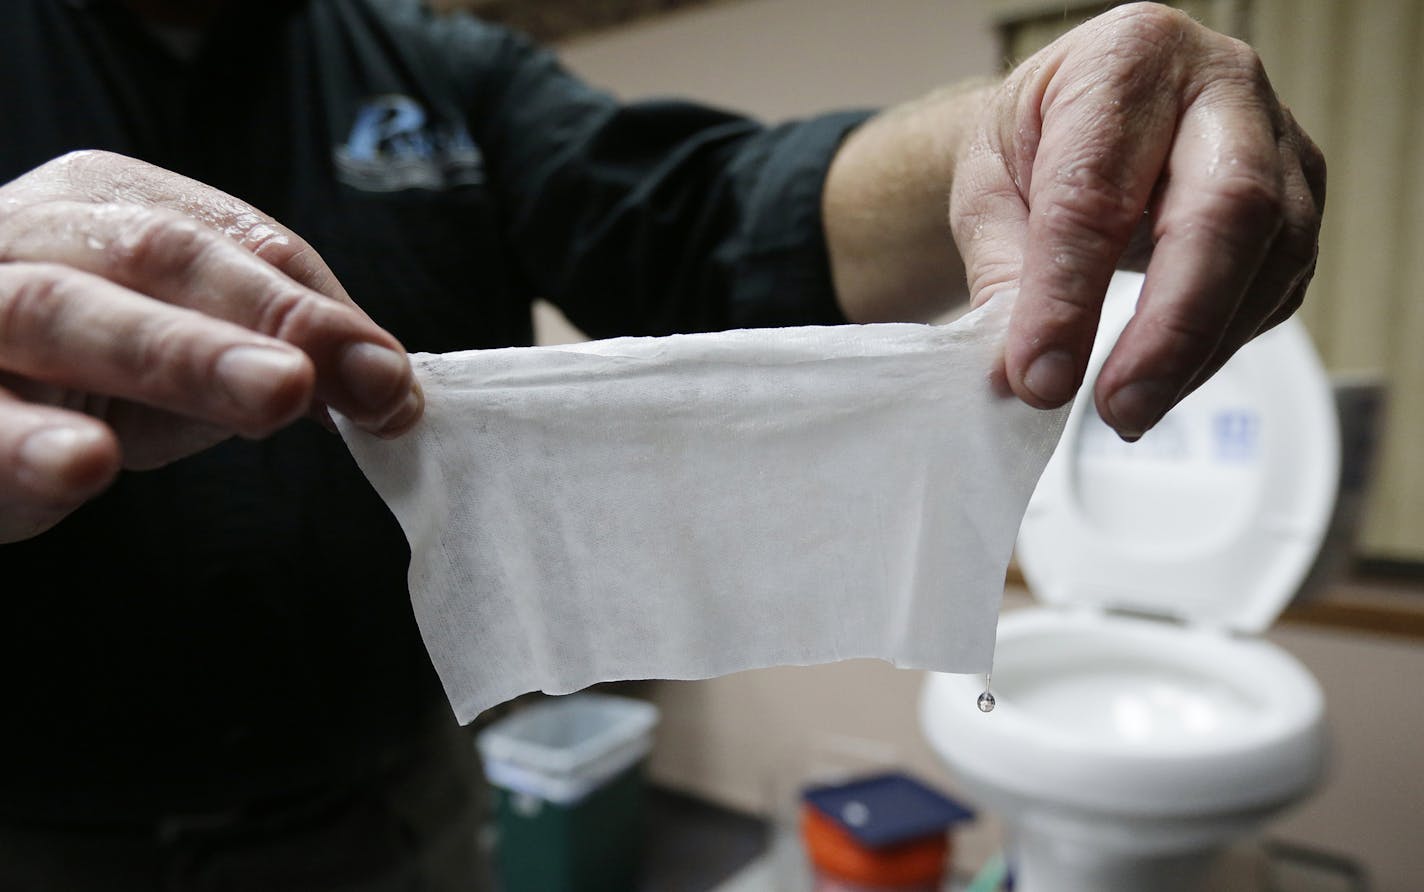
(1140, 723)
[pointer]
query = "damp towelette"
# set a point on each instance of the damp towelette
(694, 505)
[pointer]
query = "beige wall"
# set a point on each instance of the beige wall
(785, 58)
(746, 739)
(778, 59)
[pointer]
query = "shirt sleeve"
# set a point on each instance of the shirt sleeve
(649, 217)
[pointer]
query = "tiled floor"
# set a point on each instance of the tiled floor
(693, 846)
(1249, 868)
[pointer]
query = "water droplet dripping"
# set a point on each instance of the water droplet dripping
(986, 700)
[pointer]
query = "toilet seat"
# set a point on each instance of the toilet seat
(1138, 689)
(1215, 516)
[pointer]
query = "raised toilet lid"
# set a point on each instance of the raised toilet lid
(1216, 515)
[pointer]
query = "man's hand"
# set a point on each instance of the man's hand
(145, 317)
(1140, 132)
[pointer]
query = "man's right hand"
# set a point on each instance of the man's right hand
(145, 317)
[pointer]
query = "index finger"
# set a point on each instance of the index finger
(1105, 135)
(1216, 221)
(362, 370)
(105, 177)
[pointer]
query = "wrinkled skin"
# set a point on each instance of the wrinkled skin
(1144, 137)
(144, 317)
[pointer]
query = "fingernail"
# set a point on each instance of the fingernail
(1052, 377)
(372, 375)
(406, 416)
(48, 455)
(254, 376)
(1137, 406)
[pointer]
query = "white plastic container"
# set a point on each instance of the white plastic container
(563, 749)
(568, 786)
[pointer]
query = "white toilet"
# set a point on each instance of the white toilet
(1140, 724)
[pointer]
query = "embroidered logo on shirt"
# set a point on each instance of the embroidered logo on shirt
(395, 145)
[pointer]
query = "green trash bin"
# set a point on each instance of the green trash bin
(568, 786)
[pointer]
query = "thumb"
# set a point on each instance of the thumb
(1048, 197)
(989, 218)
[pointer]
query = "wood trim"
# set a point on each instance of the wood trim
(1395, 621)
(1380, 605)
(1389, 607)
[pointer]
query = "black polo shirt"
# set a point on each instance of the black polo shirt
(238, 623)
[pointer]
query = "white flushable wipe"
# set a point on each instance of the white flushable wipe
(689, 506)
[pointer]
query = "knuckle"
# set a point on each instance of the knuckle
(31, 298)
(290, 254)
(1312, 161)
(1295, 300)
(992, 276)
(1060, 310)
(1192, 332)
(81, 157)
(262, 238)
(1249, 198)
(74, 165)
(1133, 57)
(1128, 69)
(86, 170)
(1243, 58)
(1079, 245)
(282, 308)
(1086, 181)
(1075, 264)
(284, 250)
(1149, 21)
(1298, 244)
(975, 214)
(1086, 207)
(1316, 167)
(156, 243)
(71, 175)
(20, 225)
(288, 313)
(1235, 74)
(159, 354)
